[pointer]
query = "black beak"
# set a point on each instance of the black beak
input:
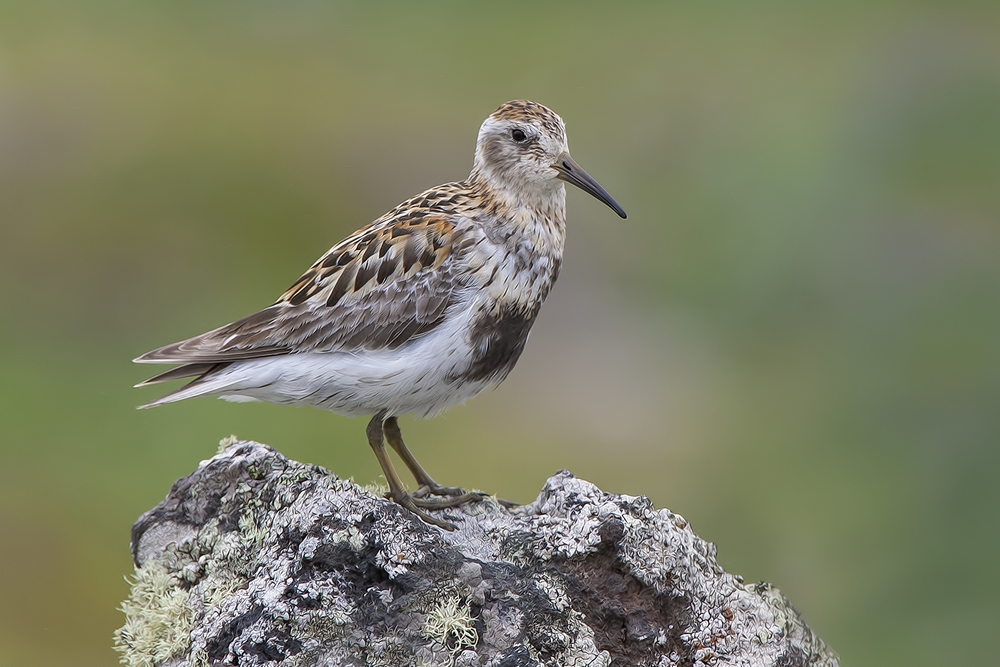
(571, 172)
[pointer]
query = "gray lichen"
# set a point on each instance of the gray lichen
(254, 559)
(158, 618)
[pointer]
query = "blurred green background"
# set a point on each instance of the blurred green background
(794, 340)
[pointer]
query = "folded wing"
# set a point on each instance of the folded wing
(379, 288)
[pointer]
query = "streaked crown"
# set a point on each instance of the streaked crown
(523, 157)
(526, 111)
(517, 146)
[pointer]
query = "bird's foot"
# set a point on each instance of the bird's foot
(447, 497)
(461, 496)
(410, 503)
(449, 500)
(435, 489)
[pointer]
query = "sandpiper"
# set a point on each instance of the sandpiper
(417, 312)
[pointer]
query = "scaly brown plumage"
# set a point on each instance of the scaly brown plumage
(420, 310)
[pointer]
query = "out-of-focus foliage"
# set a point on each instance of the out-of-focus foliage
(794, 340)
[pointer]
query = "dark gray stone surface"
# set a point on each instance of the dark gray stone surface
(254, 559)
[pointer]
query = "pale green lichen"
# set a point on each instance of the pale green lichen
(379, 488)
(451, 622)
(158, 619)
(355, 540)
(227, 442)
(299, 474)
(252, 533)
(198, 657)
(219, 586)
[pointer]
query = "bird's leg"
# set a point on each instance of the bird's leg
(428, 486)
(396, 490)
(395, 439)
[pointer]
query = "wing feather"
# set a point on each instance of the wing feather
(379, 288)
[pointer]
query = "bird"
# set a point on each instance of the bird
(419, 311)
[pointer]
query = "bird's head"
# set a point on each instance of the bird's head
(522, 150)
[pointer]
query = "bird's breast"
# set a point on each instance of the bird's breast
(514, 269)
(514, 279)
(497, 337)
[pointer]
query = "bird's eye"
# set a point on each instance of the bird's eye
(518, 135)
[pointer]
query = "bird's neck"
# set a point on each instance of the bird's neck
(538, 214)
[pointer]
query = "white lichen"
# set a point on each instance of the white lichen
(158, 619)
(555, 591)
(451, 625)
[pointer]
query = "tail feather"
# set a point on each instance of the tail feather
(185, 371)
(206, 382)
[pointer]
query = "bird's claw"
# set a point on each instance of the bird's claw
(409, 503)
(448, 501)
(437, 490)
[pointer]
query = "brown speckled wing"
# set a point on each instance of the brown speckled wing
(382, 286)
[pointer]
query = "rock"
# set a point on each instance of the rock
(254, 559)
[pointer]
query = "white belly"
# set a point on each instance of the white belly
(421, 377)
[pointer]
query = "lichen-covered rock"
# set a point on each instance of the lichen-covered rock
(254, 559)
